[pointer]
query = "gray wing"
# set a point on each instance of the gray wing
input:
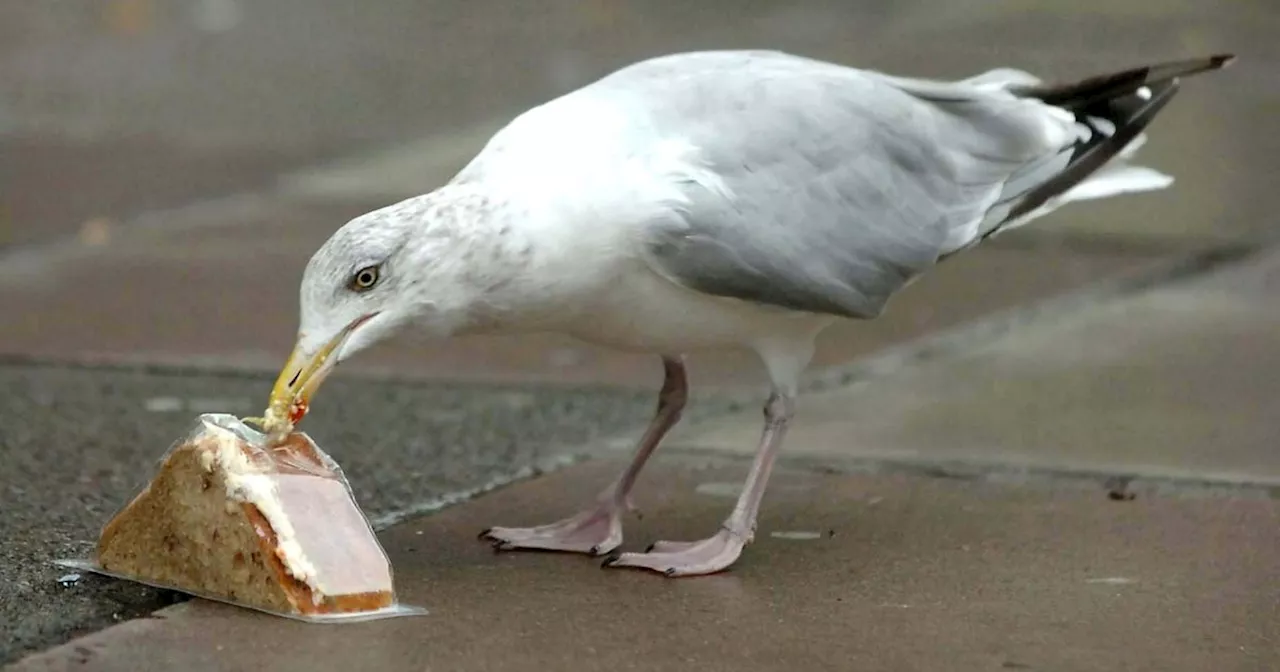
(827, 189)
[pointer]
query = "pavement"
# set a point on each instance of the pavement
(1175, 382)
(100, 230)
(885, 541)
(78, 443)
(160, 191)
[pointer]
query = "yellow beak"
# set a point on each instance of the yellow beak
(299, 379)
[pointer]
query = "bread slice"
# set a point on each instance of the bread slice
(274, 527)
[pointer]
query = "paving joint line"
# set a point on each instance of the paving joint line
(959, 338)
(1000, 472)
(877, 364)
(218, 210)
(1060, 306)
(1113, 243)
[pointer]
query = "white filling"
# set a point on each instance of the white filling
(247, 483)
(275, 422)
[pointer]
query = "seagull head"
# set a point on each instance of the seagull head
(400, 265)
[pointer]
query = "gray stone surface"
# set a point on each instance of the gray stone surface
(104, 104)
(905, 573)
(76, 444)
(110, 109)
(1175, 382)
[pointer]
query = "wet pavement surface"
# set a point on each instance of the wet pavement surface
(166, 168)
(848, 571)
(1178, 381)
(58, 188)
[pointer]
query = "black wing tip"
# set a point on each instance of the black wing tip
(1220, 61)
(1083, 93)
(1195, 66)
(1214, 62)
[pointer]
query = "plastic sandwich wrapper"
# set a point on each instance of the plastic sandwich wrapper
(233, 516)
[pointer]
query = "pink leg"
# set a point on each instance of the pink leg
(598, 530)
(722, 549)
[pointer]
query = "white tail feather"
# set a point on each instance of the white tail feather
(1115, 180)
(1117, 177)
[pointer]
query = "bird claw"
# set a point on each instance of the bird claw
(498, 545)
(691, 558)
(615, 557)
(592, 532)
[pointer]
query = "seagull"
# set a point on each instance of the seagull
(715, 199)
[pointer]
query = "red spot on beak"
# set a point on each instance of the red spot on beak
(297, 410)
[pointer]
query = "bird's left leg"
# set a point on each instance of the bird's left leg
(598, 530)
(717, 552)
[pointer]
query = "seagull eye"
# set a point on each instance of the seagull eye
(364, 279)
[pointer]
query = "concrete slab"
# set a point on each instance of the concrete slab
(434, 101)
(1179, 381)
(54, 187)
(904, 573)
(1214, 139)
(109, 108)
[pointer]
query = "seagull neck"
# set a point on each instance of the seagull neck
(525, 262)
(491, 252)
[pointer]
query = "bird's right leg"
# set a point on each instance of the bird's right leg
(598, 530)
